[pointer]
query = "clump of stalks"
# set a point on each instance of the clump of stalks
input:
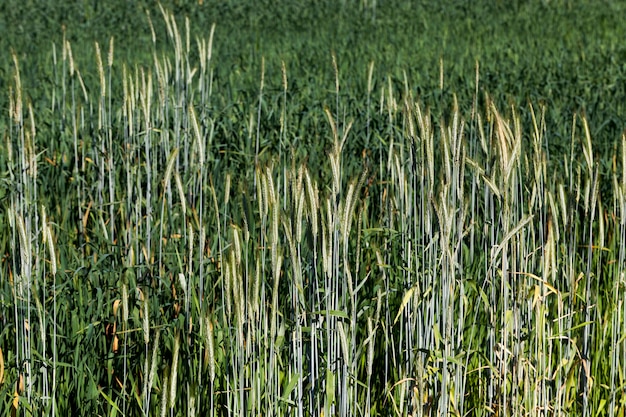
(461, 276)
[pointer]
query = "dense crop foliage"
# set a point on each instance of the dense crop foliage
(327, 208)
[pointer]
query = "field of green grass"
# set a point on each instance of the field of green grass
(331, 208)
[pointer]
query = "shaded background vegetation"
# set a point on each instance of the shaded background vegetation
(568, 55)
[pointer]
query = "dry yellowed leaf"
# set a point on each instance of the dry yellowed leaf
(116, 306)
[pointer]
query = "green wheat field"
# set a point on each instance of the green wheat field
(313, 208)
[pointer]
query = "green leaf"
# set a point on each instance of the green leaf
(293, 381)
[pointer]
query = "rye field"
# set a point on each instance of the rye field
(313, 208)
